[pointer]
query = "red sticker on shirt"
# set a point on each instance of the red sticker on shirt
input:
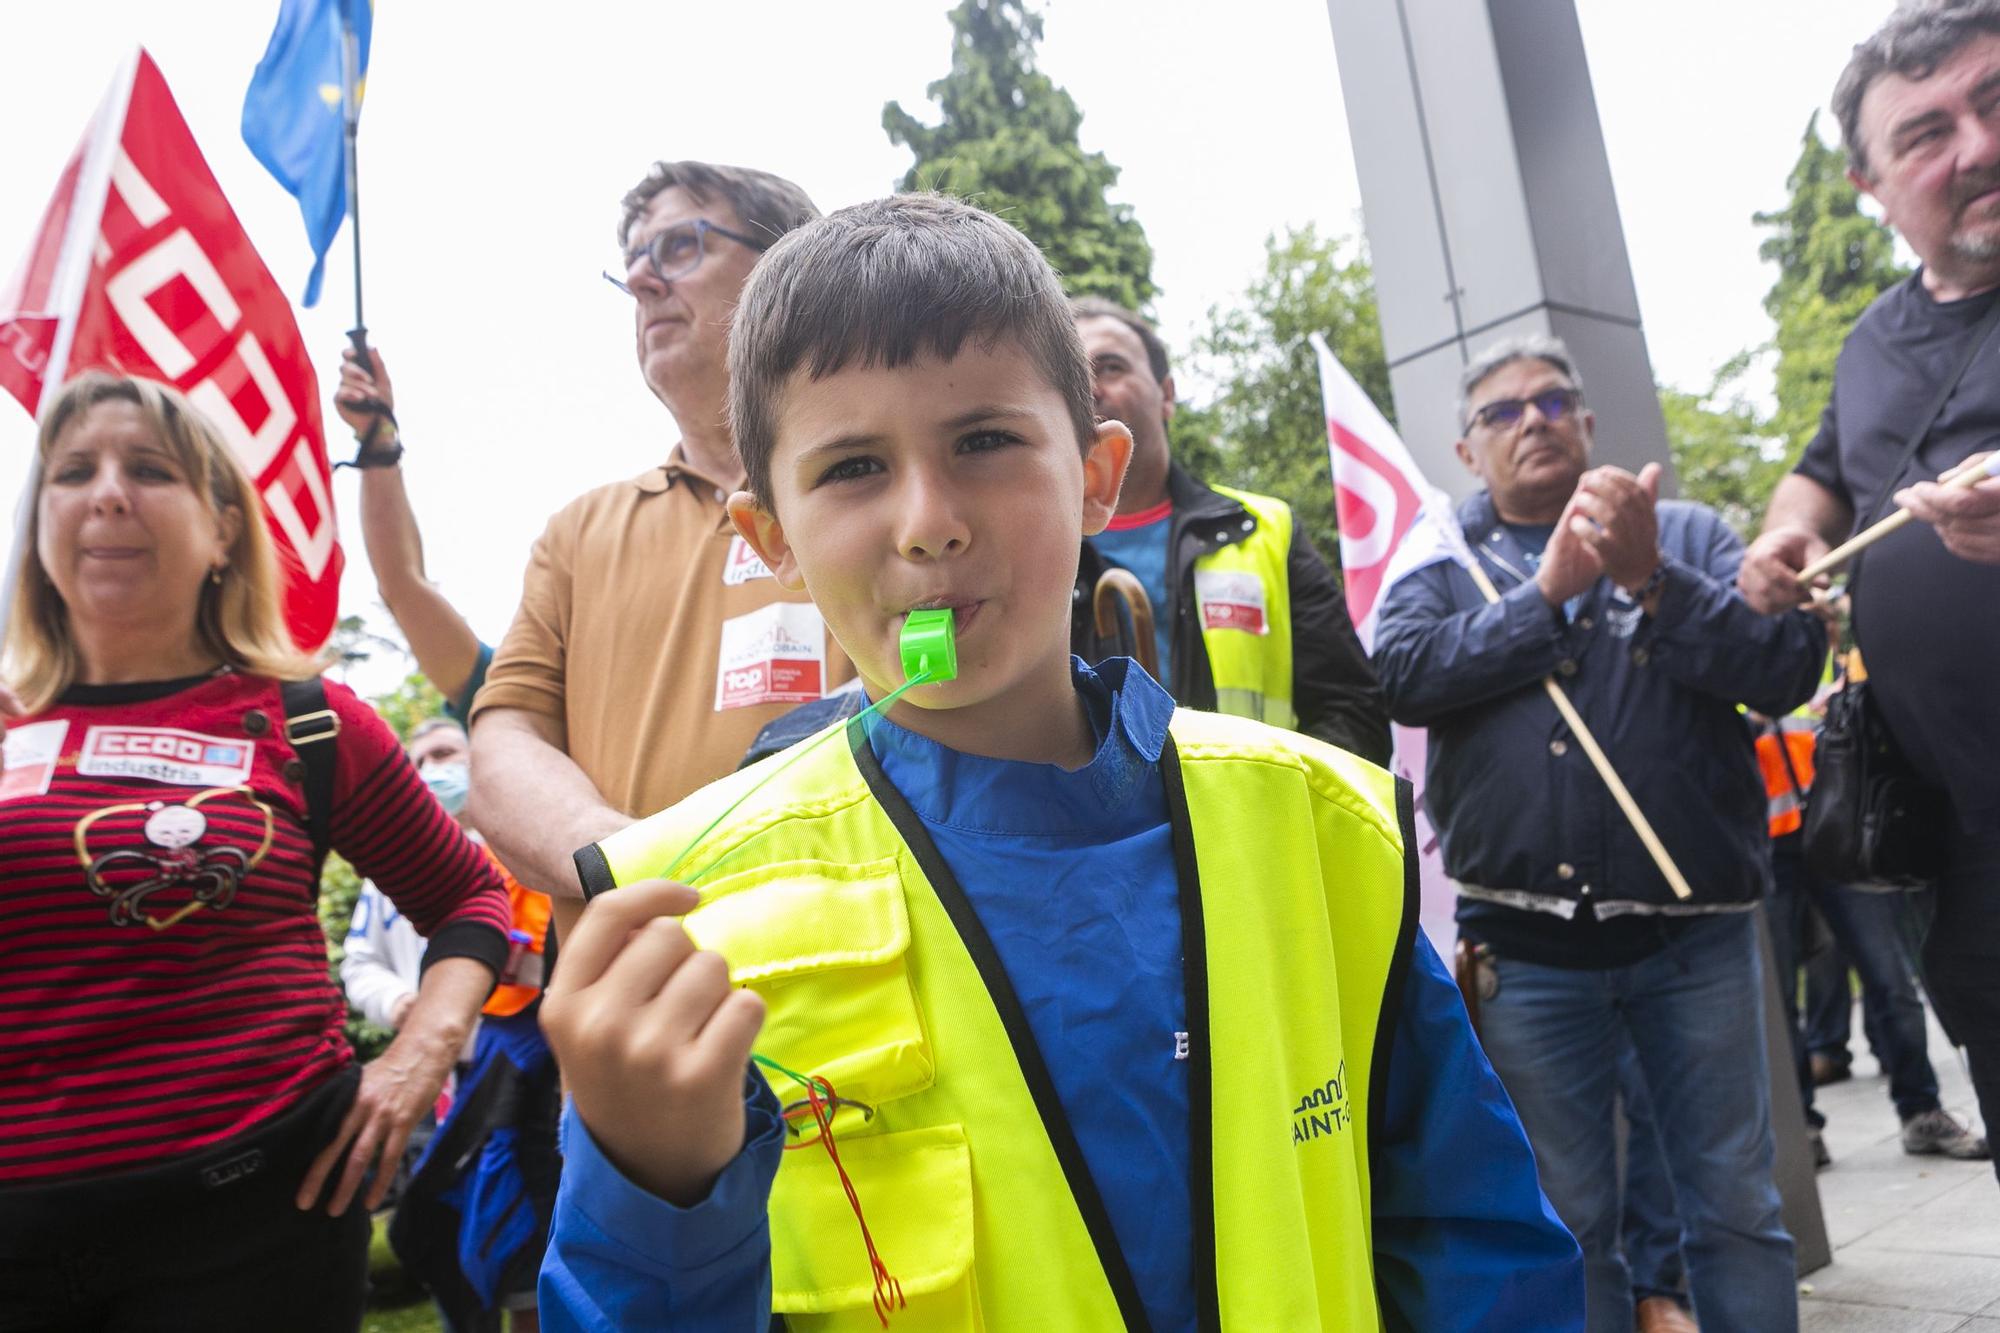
(774, 655)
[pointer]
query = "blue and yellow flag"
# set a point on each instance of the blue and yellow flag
(292, 115)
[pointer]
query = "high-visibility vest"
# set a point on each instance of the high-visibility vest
(1243, 594)
(831, 901)
(530, 916)
(1785, 787)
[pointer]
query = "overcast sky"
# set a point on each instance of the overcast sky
(494, 154)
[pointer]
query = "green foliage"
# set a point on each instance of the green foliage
(1007, 140)
(415, 700)
(1832, 260)
(1268, 420)
(1725, 452)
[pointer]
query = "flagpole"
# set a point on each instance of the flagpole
(350, 100)
(73, 264)
(1599, 760)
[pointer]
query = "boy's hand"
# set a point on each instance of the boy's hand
(652, 1040)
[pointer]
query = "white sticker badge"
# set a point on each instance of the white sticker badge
(31, 754)
(775, 655)
(742, 564)
(165, 754)
(1230, 599)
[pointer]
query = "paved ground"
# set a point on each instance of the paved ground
(1916, 1240)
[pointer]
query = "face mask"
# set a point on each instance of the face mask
(450, 783)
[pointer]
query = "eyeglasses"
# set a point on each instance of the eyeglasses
(678, 251)
(1506, 413)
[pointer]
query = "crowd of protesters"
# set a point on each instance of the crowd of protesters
(891, 408)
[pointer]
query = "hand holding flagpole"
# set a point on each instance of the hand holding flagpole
(1965, 479)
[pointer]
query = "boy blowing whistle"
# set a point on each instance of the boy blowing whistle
(1124, 1010)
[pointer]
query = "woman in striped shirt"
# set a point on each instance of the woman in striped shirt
(183, 1129)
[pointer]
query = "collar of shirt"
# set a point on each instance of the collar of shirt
(677, 468)
(1102, 800)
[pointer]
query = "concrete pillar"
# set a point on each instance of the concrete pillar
(1486, 195)
(1488, 205)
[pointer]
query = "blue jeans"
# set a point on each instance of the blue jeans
(1652, 1228)
(1869, 929)
(1553, 1035)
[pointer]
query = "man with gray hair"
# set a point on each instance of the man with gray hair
(1630, 603)
(651, 644)
(1916, 393)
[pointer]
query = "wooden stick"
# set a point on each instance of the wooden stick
(1854, 545)
(1601, 762)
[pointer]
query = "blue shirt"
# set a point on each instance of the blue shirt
(1143, 551)
(1463, 1236)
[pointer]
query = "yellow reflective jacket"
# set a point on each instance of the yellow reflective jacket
(1298, 909)
(1243, 594)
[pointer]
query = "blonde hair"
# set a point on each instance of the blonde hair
(240, 619)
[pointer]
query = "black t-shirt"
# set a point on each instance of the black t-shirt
(1928, 623)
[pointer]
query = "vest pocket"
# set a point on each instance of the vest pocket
(825, 944)
(915, 1189)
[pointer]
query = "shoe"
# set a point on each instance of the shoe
(1822, 1159)
(1664, 1314)
(1826, 1069)
(1939, 1132)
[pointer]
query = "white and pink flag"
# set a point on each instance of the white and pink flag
(1393, 522)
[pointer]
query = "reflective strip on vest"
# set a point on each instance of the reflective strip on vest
(1243, 594)
(871, 971)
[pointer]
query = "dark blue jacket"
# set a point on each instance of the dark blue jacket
(1522, 815)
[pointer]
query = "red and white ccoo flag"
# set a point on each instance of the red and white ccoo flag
(1393, 522)
(141, 267)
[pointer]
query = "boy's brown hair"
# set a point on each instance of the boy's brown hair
(887, 283)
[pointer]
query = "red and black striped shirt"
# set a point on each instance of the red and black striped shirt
(163, 978)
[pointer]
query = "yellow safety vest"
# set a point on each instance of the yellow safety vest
(1243, 594)
(1298, 910)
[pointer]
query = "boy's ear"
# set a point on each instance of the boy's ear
(1103, 474)
(766, 535)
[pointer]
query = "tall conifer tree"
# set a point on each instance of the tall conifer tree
(1832, 260)
(1007, 140)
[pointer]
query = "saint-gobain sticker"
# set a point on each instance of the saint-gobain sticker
(743, 564)
(1230, 599)
(165, 754)
(774, 655)
(31, 754)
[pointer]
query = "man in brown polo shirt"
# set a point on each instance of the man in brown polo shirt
(650, 644)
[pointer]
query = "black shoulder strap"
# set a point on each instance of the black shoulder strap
(1930, 416)
(311, 726)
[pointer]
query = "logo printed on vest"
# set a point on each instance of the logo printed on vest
(1323, 1110)
(165, 754)
(1231, 599)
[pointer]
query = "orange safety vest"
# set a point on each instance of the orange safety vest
(530, 912)
(1785, 787)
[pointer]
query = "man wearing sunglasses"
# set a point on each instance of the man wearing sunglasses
(1630, 603)
(650, 645)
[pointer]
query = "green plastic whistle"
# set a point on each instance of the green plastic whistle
(930, 648)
